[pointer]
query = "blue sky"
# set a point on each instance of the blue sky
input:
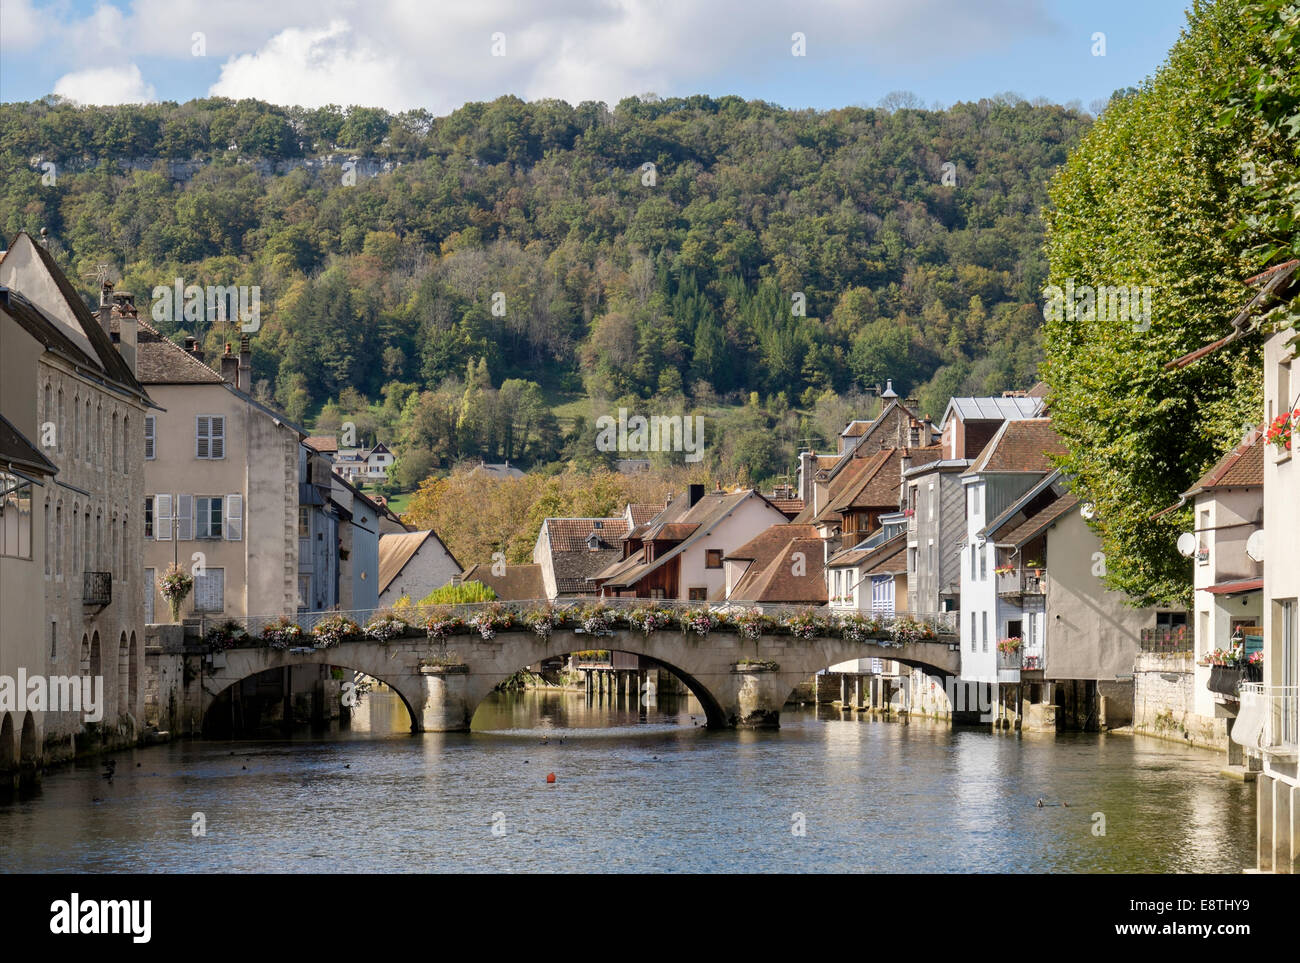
(407, 53)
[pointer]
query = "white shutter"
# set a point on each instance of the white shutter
(234, 517)
(184, 517)
(218, 444)
(149, 443)
(210, 590)
(202, 429)
(162, 517)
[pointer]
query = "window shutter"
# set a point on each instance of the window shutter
(234, 517)
(184, 517)
(218, 443)
(202, 426)
(163, 517)
(149, 437)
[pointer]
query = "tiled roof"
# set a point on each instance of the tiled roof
(642, 513)
(1037, 523)
(764, 545)
(161, 361)
(519, 583)
(571, 534)
(1243, 467)
(17, 452)
(789, 507)
(671, 532)
(872, 557)
(322, 443)
(776, 581)
(1020, 446)
(395, 551)
(572, 560)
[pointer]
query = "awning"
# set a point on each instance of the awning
(1237, 587)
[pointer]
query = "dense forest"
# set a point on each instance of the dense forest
(487, 283)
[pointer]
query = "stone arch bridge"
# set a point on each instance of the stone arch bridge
(739, 682)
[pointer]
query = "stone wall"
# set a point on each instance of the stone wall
(1163, 700)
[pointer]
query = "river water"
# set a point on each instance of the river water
(638, 791)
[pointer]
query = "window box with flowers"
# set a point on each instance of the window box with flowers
(1226, 670)
(1280, 430)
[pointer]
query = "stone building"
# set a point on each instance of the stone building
(91, 411)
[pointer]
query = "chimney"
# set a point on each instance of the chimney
(806, 458)
(245, 382)
(106, 308)
(128, 327)
(693, 494)
(230, 367)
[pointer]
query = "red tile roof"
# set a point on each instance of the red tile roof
(1023, 445)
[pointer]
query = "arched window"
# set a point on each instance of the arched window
(49, 540)
(126, 441)
(58, 540)
(62, 425)
(123, 676)
(111, 463)
(75, 451)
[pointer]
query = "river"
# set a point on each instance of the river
(638, 791)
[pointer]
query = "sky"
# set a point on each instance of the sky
(401, 54)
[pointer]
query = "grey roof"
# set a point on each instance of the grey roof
(992, 409)
(945, 464)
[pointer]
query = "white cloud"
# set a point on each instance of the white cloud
(20, 26)
(407, 53)
(313, 68)
(106, 85)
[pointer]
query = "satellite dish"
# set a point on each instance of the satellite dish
(1255, 547)
(1088, 510)
(1187, 545)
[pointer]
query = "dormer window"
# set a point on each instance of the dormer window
(593, 541)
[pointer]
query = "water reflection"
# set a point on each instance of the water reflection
(638, 791)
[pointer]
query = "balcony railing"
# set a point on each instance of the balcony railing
(97, 588)
(1166, 638)
(1010, 660)
(1273, 711)
(1009, 584)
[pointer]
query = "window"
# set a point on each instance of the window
(984, 631)
(210, 436)
(713, 558)
(931, 501)
(972, 632)
(984, 564)
(15, 516)
(304, 521)
(148, 516)
(54, 639)
(150, 590)
(972, 563)
(304, 590)
(209, 516)
(933, 566)
(150, 438)
(58, 542)
(1169, 619)
(698, 594)
(210, 590)
(656, 593)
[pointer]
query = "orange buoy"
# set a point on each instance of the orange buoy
(550, 777)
